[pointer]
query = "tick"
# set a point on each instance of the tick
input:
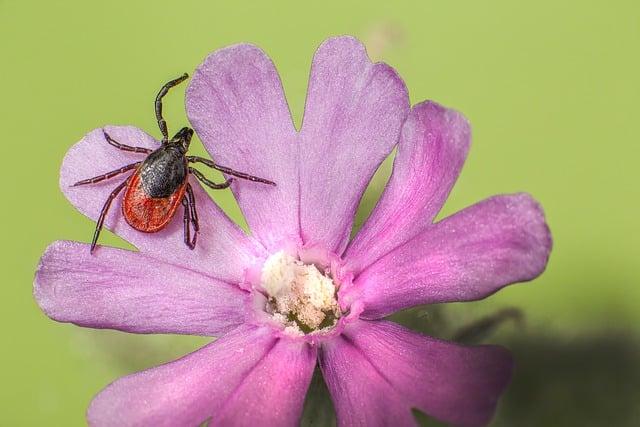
(160, 182)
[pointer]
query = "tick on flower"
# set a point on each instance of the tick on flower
(299, 292)
(160, 182)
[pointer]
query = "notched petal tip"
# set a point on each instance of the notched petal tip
(350, 46)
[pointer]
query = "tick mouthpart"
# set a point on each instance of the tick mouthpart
(184, 134)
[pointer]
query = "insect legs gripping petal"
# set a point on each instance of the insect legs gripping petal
(159, 183)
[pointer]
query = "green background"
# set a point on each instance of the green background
(552, 91)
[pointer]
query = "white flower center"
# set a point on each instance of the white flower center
(301, 297)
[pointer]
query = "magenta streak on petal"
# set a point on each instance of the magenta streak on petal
(432, 149)
(132, 292)
(453, 383)
(361, 396)
(223, 250)
(236, 104)
(352, 120)
(273, 393)
(248, 377)
(468, 256)
(185, 392)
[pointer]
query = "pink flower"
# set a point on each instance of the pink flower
(298, 290)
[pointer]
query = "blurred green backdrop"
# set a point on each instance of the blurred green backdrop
(551, 88)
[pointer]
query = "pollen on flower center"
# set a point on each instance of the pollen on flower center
(300, 296)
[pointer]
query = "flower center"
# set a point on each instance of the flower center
(300, 296)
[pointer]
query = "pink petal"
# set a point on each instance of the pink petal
(352, 120)
(273, 393)
(237, 106)
(211, 382)
(222, 251)
(132, 292)
(468, 256)
(432, 149)
(361, 396)
(377, 371)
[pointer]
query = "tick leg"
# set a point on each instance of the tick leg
(192, 206)
(228, 171)
(123, 147)
(161, 122)
(103, 212)
(208, 183)
(107, 175)
(191, 244)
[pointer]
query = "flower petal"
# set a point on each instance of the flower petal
(352, 120)
(273, 393)
(222, 251)
(360, 395)
(236, 104)
(432, 149)
(211, 382)
(377, 371)
(468, 256)
(128, 291)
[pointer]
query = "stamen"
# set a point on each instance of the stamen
(301, 297)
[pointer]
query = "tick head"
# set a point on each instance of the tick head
(182, 139)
